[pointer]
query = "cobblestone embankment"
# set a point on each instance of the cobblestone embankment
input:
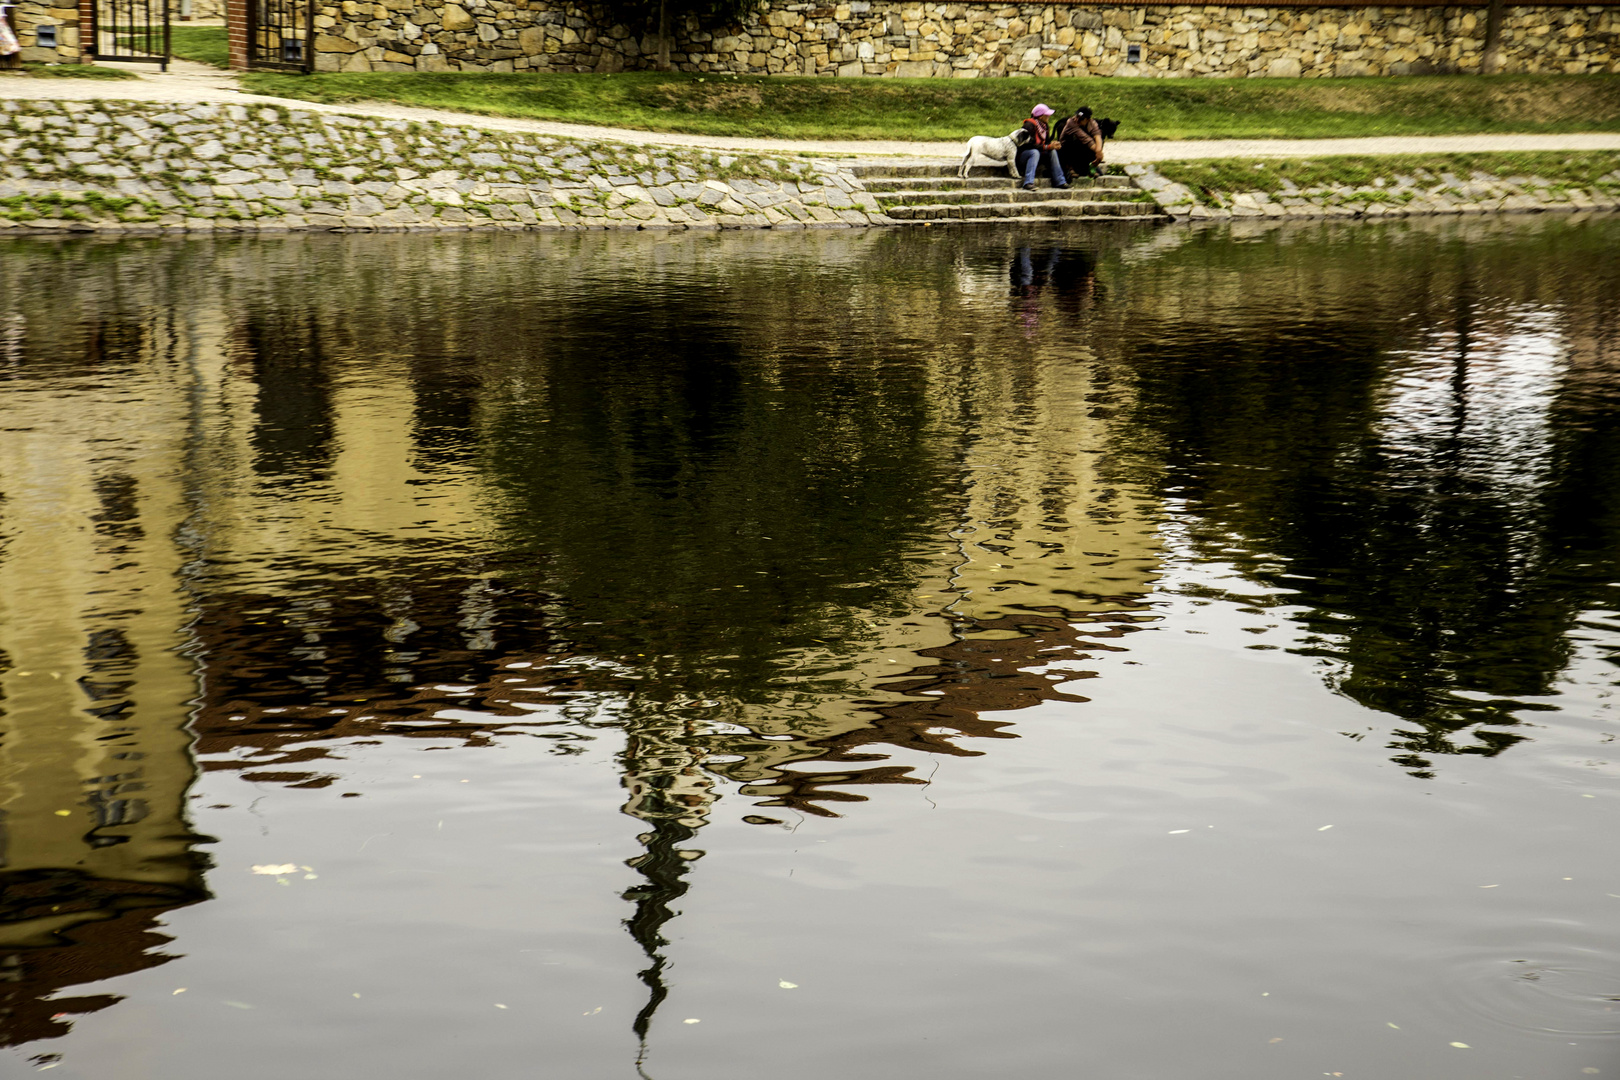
(128, 166)
(1420, 192)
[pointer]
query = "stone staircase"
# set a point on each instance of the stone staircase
(911, 192)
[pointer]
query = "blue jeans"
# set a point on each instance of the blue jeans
(1029, 159)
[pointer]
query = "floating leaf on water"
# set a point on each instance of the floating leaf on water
(179, 991)
(1461, 1046)
(1278, 1039)
(1496, 886)
(276, 869)
(594, 1011)
(1397, 1027)
(498, 1005)
(1324, 828)
(693, 1020)
(64, 813)
(784, 984)
(1174, 832)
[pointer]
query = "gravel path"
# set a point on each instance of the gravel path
(188, 82)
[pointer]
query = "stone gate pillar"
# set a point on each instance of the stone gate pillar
(76, 46)
(236, 28)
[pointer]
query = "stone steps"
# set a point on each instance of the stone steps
(983, 196)
(982, 179)
(934, 192)
(1046, 210)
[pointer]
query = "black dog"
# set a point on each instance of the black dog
(1107, 127)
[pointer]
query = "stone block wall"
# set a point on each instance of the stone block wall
(29, 15)
(132, 166)
(903, 38)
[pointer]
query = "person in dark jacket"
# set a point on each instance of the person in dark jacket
(1081, 150)
(1037, 147)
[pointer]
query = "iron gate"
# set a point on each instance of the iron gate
(281, 35)
(134, 31)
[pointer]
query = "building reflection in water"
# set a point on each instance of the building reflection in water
(249, 520)
(96, 684)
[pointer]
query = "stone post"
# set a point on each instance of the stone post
(67, 16)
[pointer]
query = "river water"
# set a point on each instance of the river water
(1123, 653)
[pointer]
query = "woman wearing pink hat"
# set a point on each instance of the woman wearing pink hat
(1038, 145)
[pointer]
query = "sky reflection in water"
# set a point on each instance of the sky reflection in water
(989, 563)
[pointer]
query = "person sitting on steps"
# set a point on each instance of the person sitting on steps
(1036, 146)
(1081, 145)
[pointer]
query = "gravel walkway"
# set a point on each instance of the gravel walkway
(188, 82)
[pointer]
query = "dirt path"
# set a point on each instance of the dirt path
(188, 82)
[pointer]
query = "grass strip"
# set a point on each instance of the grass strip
(1230, 176)
(798, 107)
(75, 71)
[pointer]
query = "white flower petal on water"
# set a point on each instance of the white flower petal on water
(784, 984)
(693, 1020)
(1461, 1046)
(276, 869)
(1324, 828)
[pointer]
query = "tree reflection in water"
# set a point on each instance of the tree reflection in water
(780, 546)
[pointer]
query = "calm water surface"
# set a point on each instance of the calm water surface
(927, 654)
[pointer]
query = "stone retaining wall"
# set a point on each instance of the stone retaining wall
(1415, 194)
(140, 167)
(901, 38)
(29, 15)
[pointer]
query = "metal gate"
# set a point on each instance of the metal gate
(281, 35)
(134, 31)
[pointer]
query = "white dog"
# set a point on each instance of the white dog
(983, 150)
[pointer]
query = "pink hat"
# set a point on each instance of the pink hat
(1041, 110)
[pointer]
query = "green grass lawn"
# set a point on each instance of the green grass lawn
(953, 109)
(204, 44)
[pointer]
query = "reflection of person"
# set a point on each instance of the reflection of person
(1070, 273)
(1038, 147)
(1026, 281)
(1081, 144)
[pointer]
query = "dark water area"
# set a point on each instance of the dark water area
(1127, 653)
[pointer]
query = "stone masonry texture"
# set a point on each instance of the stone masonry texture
(905, 39)
(1417, 193)
(122, 166)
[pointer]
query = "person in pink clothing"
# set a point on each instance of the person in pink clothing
(1036, 146)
